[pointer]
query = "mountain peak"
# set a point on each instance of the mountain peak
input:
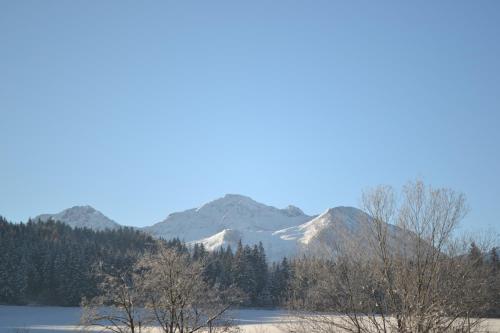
(86, 208)
(342, 210)
(82, 217)
(237, 199)
(229, 218)
(231, 201)
(292, 210)
(232, 196)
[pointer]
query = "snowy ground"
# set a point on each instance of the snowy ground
(45, 319)
(38, 319)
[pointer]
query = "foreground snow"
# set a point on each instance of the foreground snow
(44, 319)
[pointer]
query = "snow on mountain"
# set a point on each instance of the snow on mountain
(228, 219)
(233, 211)
(348, 220)
(328, 231)
(341, 229)
(81, 217)
(276, 248)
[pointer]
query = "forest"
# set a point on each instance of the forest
(51, 263)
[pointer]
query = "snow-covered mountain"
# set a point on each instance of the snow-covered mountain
(81, 217)
(227, 220)
(344, 229)
(330, 231)
(230, 212)
(283, 232)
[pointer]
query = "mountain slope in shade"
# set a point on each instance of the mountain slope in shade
(81, 217)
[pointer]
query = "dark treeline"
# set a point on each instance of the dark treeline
(53, 264)
(246, 269)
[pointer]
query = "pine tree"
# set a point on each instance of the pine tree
(50, 262)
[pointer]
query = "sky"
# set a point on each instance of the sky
(144, 108)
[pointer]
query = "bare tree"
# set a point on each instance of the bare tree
(119, 307)
(177, 295)
(410, 276)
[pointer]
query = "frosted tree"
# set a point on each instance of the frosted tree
(177, 295)
(411, 276)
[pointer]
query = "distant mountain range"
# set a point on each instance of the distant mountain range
(227, 220)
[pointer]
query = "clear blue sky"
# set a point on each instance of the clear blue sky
(142, 108)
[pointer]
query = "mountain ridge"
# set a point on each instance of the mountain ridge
(284, 232)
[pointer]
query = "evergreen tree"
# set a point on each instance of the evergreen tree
(51, 263)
